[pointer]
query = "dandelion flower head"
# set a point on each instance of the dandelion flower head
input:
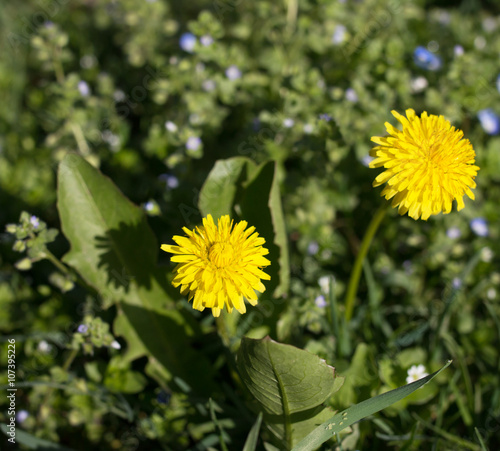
(427, 165)
(219, 265)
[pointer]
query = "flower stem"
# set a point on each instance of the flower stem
(352, 288)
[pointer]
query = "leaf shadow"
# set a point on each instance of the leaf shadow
(128, 253)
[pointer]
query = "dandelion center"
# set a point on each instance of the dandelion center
(219, 265)
(221, 254)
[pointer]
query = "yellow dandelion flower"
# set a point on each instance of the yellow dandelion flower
(427, 165)
(219, 265)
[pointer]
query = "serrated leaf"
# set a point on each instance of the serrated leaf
(359, 411)
(115, 251)
(289, 385)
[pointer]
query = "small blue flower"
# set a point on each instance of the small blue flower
(320, 301)
(453, 233)
(255, 124)
(149, 205)
(82, 328)
(313, 248)
(171, 181)
(163, 397)
(187, 42)
(193, 143)
(325, 117)
(21, 416)
(350, 94)
(458, 50)
(408, 267)
(84, 89)
(456, 283)
(489, 121)
(479, 226)
(338, 34)
(233, 73)
(35, 222)
(425, 59)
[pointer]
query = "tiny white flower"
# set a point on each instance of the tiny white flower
(208, 85)
(491, 293)
(480, 42)
(324, 283)
(418, 84)
(170, 126)
(487, 254)
(44, 347)
(416, 372)
(88, 61)
(308, 128)
(194, 118)
(119, 95)
(116, 345)
(149, 205)
(206, 40)
(489, 24)
(288, 122)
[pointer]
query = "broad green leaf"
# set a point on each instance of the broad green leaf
(238, 185)
(289, 385)
(115, 251)
(219, 192)
(30, 441)
(359, 411)
(261, 206)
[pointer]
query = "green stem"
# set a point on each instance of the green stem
(54, 260)
(81, 142)
(352, 288)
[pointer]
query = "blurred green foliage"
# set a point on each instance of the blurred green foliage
(304, 84)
